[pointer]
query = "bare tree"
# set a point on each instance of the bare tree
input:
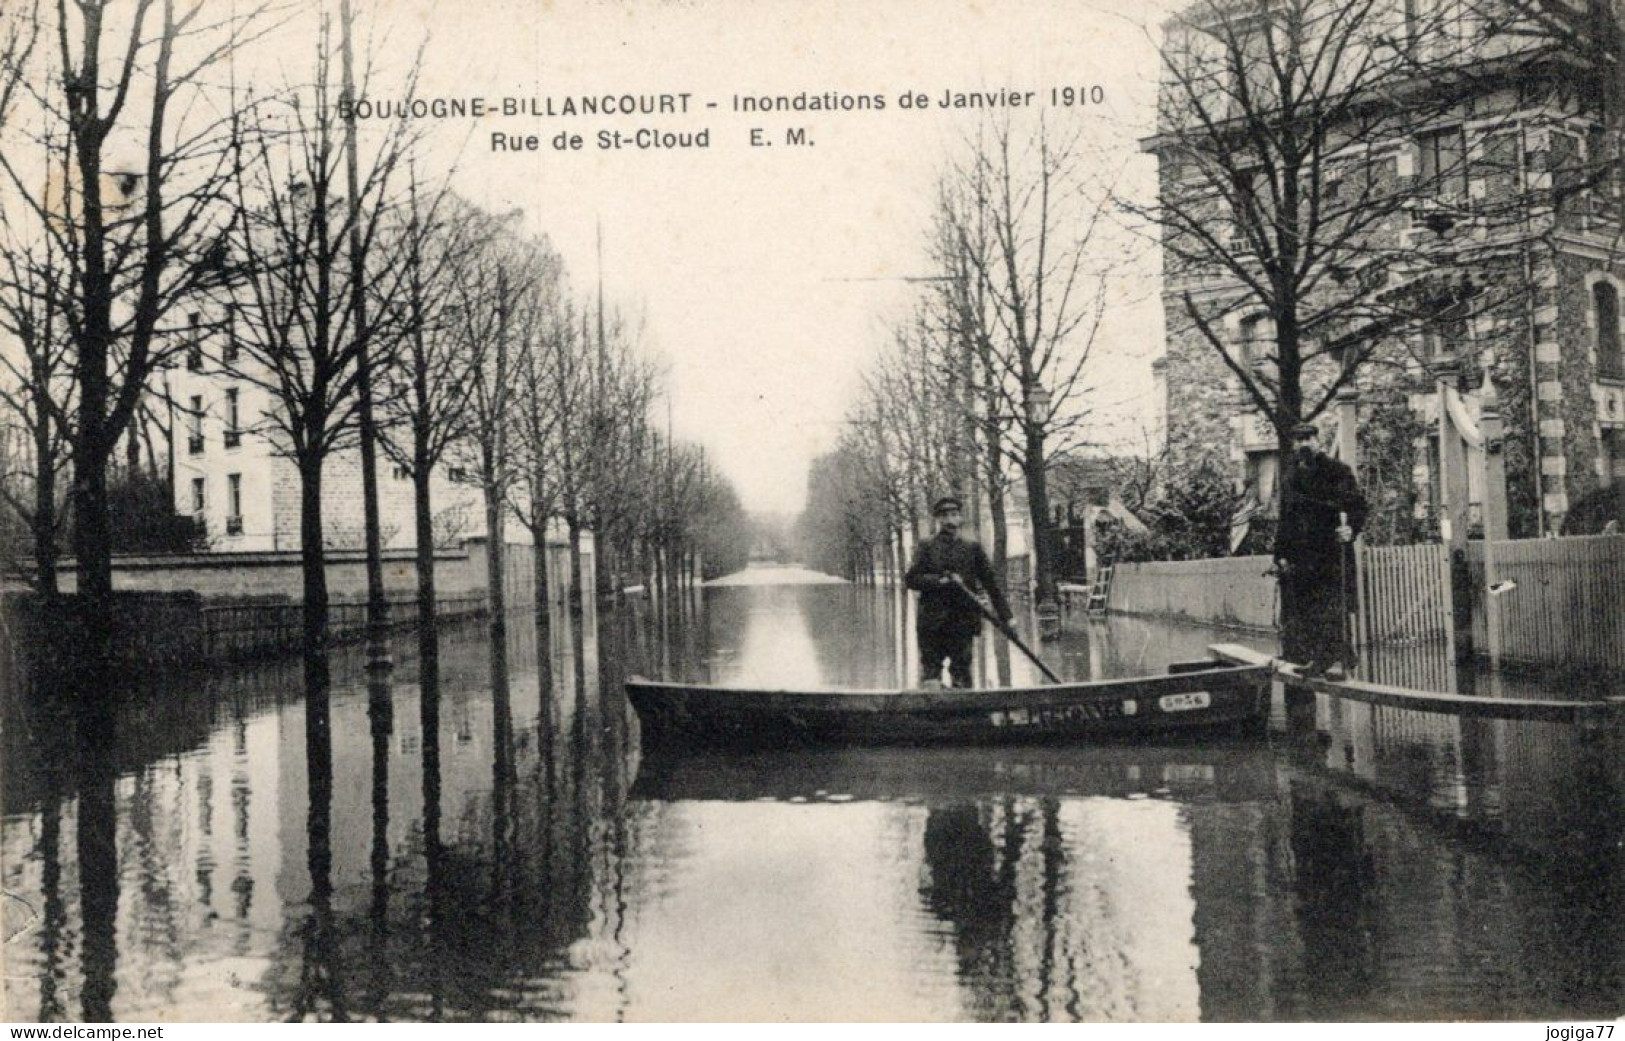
(1284, 207)
(431, 377)
(292, 319)
(500, 299)
(539, 441)
(36, 388)
(134, 240)
(20, 29)
(1023, 227)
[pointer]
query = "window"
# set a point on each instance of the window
(234, 504)
(1448, 336)
(233, 433)
(1501, 169)
(401, 473)
(1613, 456)
(456, 473)
(1263, 471)
(1605, 316)
(1442, 166)
(194, 342)
(1569, 179)
(198, 500)
(1602, 171)
(228, 345)
(1413, 23)
(194, 425)
(1257, 346)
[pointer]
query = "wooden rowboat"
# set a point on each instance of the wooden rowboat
(1195, 698)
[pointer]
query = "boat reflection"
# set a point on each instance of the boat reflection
(475, 837)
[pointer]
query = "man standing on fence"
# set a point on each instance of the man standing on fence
(1322, 512)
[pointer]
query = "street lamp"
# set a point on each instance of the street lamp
(1038, 403)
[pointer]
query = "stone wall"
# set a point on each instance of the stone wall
(1582, 413)
(259, 576)
(1204, 396)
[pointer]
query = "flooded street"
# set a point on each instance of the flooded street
(522, 861)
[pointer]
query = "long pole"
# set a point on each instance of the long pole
(377, 656)
(1005, 630)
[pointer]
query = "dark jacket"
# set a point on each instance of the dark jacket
(1325, 491)
(944, 608)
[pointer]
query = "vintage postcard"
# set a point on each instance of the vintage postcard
(903, 511)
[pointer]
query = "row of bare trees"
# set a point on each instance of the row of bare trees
(154, 208)
(988, 376)
(1348, 195)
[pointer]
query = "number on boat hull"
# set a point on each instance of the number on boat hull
(1184, 702)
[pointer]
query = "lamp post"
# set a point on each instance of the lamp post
(1038, 401)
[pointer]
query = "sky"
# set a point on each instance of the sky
(765, 277)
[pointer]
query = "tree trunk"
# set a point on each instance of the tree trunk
(44, 520)
(93, 547)
(1001, 526)
(377, 606)
(313, 567)
(494, 561)
(1038, 507)
(132, 444)
(92, 532)
(428, 634)
(538, 535)
(574, 524)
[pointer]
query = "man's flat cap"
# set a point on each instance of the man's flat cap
(946, 504)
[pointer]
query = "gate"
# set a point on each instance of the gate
(1404, 594)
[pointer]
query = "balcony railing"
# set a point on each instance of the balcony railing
(234, 525)
(194, 359)
(194, 444)
(234, 438)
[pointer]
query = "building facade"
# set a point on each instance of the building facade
(1512, 185)
(230, 472)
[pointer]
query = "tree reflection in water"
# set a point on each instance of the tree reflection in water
(321, 987)
(333, 853)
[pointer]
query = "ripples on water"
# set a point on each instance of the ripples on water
(211, 850)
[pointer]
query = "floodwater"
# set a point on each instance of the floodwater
(232, 846)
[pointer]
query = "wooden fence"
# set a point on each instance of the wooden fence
(254, 630)
(1565, 606)
(1404, 594)
(1226, 591)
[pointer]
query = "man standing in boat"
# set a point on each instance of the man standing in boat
(944, 567)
